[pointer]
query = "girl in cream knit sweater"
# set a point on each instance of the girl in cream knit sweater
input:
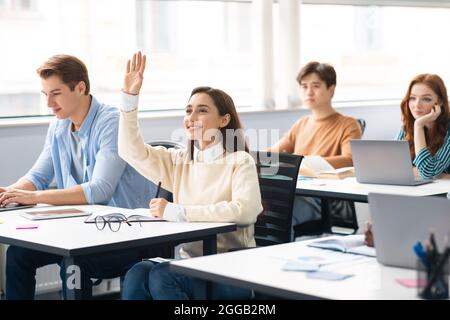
(213, 180)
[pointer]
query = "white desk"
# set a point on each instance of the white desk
(260, 269)
(349, 189)
(72, 238)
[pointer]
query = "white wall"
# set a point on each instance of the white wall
(20, 145)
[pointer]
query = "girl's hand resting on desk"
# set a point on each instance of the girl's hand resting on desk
(368, 235)
(134, 74)
(157, 207)
(18, 196)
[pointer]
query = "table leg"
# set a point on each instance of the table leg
(209, 248)
(210, 245)
(72, 282)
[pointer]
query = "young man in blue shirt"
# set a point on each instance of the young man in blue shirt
(80, 156)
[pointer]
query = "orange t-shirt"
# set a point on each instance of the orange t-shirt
(329, 138)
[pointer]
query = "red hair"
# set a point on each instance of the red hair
(435, 137)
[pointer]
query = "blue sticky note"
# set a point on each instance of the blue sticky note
(293, 265)
(327, 275)
(303, 178)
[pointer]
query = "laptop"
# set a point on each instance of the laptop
(384, 162)
(399, 222)
(15, 206)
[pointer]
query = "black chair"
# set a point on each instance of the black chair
(362, 124)
(277, 174)
(331, 216)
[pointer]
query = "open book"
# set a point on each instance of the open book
(348, 244)
(54, 213)
(318, 167)
(140, 214)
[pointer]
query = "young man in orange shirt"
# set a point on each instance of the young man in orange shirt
(325, 132)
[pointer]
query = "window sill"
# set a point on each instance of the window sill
(45, 120)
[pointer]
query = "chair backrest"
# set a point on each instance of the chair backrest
(166, 144)
(277, 174)
(362, 124)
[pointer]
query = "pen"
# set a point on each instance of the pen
(433, 243)
(157, 189)
(430, 253)
(420, 252)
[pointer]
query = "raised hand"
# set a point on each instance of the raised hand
(134, 74)
(429, 118)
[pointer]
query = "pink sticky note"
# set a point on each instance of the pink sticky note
(411, 283)
(27, 226)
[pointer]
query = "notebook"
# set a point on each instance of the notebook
(384, 162)
(51, 213)
(347, 244)
(399, 222)
(318, 167)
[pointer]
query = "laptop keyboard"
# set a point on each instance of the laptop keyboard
(15, 207)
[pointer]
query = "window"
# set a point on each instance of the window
(189, 43)
(17, 5)
(376, 50)
(376, 47)
(195, 43)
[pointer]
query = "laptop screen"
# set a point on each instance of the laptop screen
(399, 222)
(382, 162)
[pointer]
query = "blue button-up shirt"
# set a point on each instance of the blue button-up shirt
(107, 179)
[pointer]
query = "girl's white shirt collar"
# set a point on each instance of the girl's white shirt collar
(209, 154)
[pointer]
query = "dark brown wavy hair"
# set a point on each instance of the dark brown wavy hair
(225, 105)
(435, 137)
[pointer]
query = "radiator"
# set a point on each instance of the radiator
(47, 279)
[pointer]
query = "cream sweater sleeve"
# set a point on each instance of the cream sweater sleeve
(245, 204)
(154, 163)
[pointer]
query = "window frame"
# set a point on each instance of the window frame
(265, 89)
